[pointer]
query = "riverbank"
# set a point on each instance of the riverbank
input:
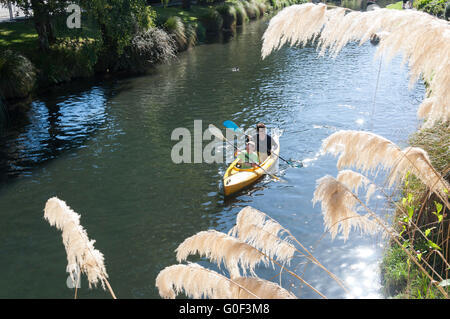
(426, 229)
(81, 53)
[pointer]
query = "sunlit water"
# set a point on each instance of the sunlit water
(104, 148)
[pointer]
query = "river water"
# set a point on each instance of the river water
(104, 147)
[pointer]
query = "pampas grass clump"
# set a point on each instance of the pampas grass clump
(220, 247)
(369, 152)
(17, 75)
(251, 10)
(80, 250)
(241, 14)
(255, 240)
(198, 282)
(228, 13)
(423, 40)
(175, 26)
(339, 209)
(212, 21)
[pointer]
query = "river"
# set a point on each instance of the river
(104, 147)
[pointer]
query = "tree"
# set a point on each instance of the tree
(119, 20)
(43, 13)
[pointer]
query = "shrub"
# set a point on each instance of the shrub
(433, 7)
(147, 48)
(251, 9)
(261, 7)
(228, 13)
(241, 14)
(191, 34)
(175, 26)
(212, 21)
(200, 32)
(69, 59)
(17, 75)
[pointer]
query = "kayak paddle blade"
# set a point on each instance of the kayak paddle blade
(232, 126)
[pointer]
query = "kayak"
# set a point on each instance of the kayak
(236, 178)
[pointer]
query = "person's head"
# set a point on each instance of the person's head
(261, 130)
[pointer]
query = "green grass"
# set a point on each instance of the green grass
(20, 36)
(395, 6)
(188, 16)
(401, 280)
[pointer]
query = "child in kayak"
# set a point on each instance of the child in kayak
(248, 158)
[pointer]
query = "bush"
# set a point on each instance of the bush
(200, 32)
(228, 13)
(261, 7)
(17, 75)
(191, 34)
(212, 21)
(147, 48)
(433, 7)
(175, 26)
(241, 14)
(251, 9)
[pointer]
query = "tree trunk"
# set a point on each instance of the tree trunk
(11, 16)
(42, 23)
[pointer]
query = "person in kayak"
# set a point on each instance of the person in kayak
(264, 142)
(248, 158)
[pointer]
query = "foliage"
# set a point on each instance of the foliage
(241, 14)
(147, 48)
(68, 59)
(119, 21)
(175, 26)
(251, 9)
(43, 13)
(434, 7)
(228, 13)
(17, 75)
(212, 21)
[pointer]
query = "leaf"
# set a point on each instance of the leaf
(428, 231)
(410, 212)
(438, 207)
(433, 245)
(419, 256)
(405, 244)
(410, 198)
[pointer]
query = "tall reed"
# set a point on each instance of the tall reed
(255, 239)
(80, 251)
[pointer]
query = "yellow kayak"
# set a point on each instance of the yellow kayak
(236, 179)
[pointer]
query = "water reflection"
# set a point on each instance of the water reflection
(50, 127)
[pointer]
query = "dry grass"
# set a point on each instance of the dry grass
(80, 250)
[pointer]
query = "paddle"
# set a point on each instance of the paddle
(232, 126)
(217, 133)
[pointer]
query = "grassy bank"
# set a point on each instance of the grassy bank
(81, 53)
(426, 229)
(438, 8)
